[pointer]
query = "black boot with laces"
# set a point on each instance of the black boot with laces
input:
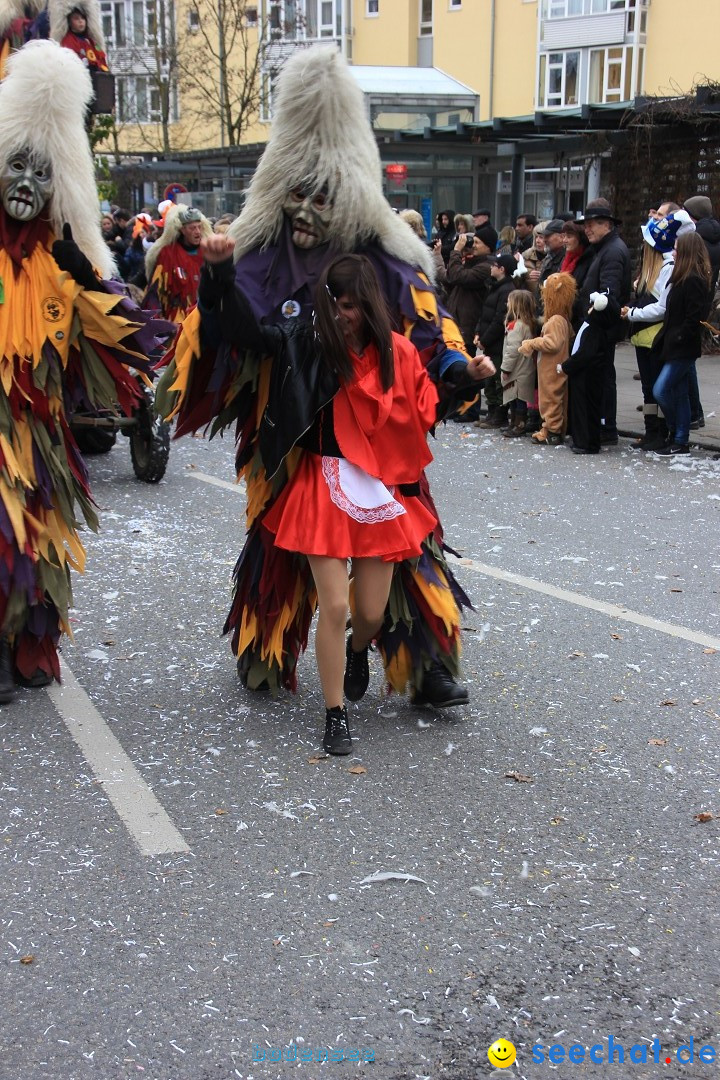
(357, 672)
(337, 731)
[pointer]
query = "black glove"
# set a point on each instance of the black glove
(70, 258)
(216, 279)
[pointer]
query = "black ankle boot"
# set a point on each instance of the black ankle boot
(7, 683)
(357, 672)
(337, 738)
(439, 689)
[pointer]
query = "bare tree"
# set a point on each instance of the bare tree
(222, 63)
(144, 58)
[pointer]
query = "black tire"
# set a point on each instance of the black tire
(149, 443)
(94, 440)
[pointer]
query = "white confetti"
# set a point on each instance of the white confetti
(386, 875)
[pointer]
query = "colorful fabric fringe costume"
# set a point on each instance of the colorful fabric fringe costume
(320, 114)
(274, 596)
(173, 270)
(65, 344)
(61, 348)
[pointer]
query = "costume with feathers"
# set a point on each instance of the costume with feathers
(20, 21)
(320, 142)
(62, 346)
(173, 270)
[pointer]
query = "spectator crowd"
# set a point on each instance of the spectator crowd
(546, 301)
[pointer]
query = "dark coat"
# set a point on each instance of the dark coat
(491, 325)
(709, 229)
(611, 272)
(580, 272)
(468, 282)
(688, 304)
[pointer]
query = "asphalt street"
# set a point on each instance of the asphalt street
(189, 890)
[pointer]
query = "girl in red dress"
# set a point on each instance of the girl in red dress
(352, 495)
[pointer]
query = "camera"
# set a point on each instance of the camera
(469, 237)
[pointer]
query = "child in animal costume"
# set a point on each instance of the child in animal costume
(317, 192)
(174, 262)
(553, 347)
(68, 339)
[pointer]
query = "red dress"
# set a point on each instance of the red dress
(351, 506)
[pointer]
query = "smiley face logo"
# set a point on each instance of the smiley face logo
(501, 1054)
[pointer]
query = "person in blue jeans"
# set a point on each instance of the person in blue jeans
(679, 342)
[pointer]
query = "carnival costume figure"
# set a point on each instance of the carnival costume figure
(317, 192)
(174, 262)
(20, 21)
(69, 339)
(78, 26)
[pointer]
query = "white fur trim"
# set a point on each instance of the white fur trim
(321, 137)
(42, 108)
(59, 11)
(170, 233)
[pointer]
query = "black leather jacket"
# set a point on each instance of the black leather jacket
(300, 381)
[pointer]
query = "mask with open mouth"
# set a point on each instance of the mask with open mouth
(25, 186)
(310, 215)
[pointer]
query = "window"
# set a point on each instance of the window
(562, 9)
(251, 16)
(558, 82)
(372, 7)
(131, 24)
(455, 5)
(611, 74)
(426, 17)
(193, 20)
(138, 100)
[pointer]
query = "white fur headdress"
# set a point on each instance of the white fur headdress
(59, 12)
(321, 138)
(171, 232)
(42, 109)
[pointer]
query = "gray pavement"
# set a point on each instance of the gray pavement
(566, 888)
(630, 421)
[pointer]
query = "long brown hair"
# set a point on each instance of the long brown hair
(353, 276)
(521, 308)
(691, 259)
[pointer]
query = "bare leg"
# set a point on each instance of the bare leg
(333, 589)
(373, 579)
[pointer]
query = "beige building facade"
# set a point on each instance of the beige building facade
(515, 58)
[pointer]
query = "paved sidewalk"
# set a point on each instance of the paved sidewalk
(629, 396)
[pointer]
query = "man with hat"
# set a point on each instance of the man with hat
(555, 248)
(609, 273)
(481, 217)
(174, 262)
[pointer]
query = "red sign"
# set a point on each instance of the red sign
(173, 190)
(396, 172)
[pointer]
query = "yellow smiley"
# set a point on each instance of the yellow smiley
(501, 1054)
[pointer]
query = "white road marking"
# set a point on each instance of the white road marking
(614, 611)
(208, 479)
(140, 811)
